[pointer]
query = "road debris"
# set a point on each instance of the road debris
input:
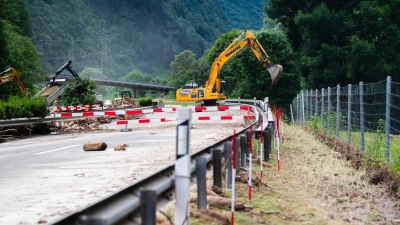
(121, 147)
(96, 146)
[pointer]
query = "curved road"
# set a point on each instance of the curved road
(47, 177)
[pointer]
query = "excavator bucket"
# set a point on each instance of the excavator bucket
(276, 71)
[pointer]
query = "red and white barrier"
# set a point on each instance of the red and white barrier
(77, 108)
(199, 118)
(171, 109)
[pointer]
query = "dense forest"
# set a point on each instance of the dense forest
(245, 15)
(318, 43)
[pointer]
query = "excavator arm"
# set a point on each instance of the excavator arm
(13, 75)
(236, 46)
(209, 94)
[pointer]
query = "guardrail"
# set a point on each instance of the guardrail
(138, 202)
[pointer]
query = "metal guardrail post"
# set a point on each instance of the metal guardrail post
(55, 125)
(216, 162)
(238, 154)
(248, 140)
(267, 144)
(148, 200)
(243, 144)
(228, 164)
(201, 183)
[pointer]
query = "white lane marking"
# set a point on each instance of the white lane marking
(58, 149)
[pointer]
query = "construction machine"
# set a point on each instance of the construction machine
(12, 75)
(56, 87)
(212, 90)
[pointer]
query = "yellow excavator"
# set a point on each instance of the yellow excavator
(13, 75)
(212, 91)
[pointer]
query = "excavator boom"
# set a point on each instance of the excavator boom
(12, 75)
(212, 90)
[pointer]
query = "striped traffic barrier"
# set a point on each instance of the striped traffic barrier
(198, 118)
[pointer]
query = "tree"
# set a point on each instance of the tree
(341, 42)
(80, 92)
(182, 68)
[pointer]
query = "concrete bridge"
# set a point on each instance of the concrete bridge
(136, 86)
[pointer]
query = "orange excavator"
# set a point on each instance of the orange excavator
(13, 75)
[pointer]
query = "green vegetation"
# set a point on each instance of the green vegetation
(21, 107)
(341, 43)
(145, 101)
(80, 92)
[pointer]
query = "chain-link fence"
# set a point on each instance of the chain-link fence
(366, 116)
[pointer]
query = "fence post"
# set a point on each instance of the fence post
(329, 111)
(349, 115)
(316, 102)
(387, 120)
(322, 105)
(302, 106)
(306, 106)
(337, 110)
(311, 95)
(298, 108)
(362, 115)
(291, 113)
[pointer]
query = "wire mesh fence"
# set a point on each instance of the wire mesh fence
(366, 116)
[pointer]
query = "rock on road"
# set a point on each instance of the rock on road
(45, 178)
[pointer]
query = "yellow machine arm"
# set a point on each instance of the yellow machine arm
(212, 90)
(13, 75)
(236, 46)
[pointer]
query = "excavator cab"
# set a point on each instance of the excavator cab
(126, 94)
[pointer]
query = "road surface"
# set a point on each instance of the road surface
(45, 178)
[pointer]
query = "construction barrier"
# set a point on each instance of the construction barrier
(170, 109)
(198, 118)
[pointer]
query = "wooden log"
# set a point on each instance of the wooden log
(210, 215)
(9, 131)
(219, 201)
(96, 146)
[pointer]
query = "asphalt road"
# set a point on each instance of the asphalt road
(45, 178)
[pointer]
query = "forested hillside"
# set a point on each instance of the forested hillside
(119, 36)
(244, 15)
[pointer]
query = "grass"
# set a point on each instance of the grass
(313, 186)
(374, 141)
